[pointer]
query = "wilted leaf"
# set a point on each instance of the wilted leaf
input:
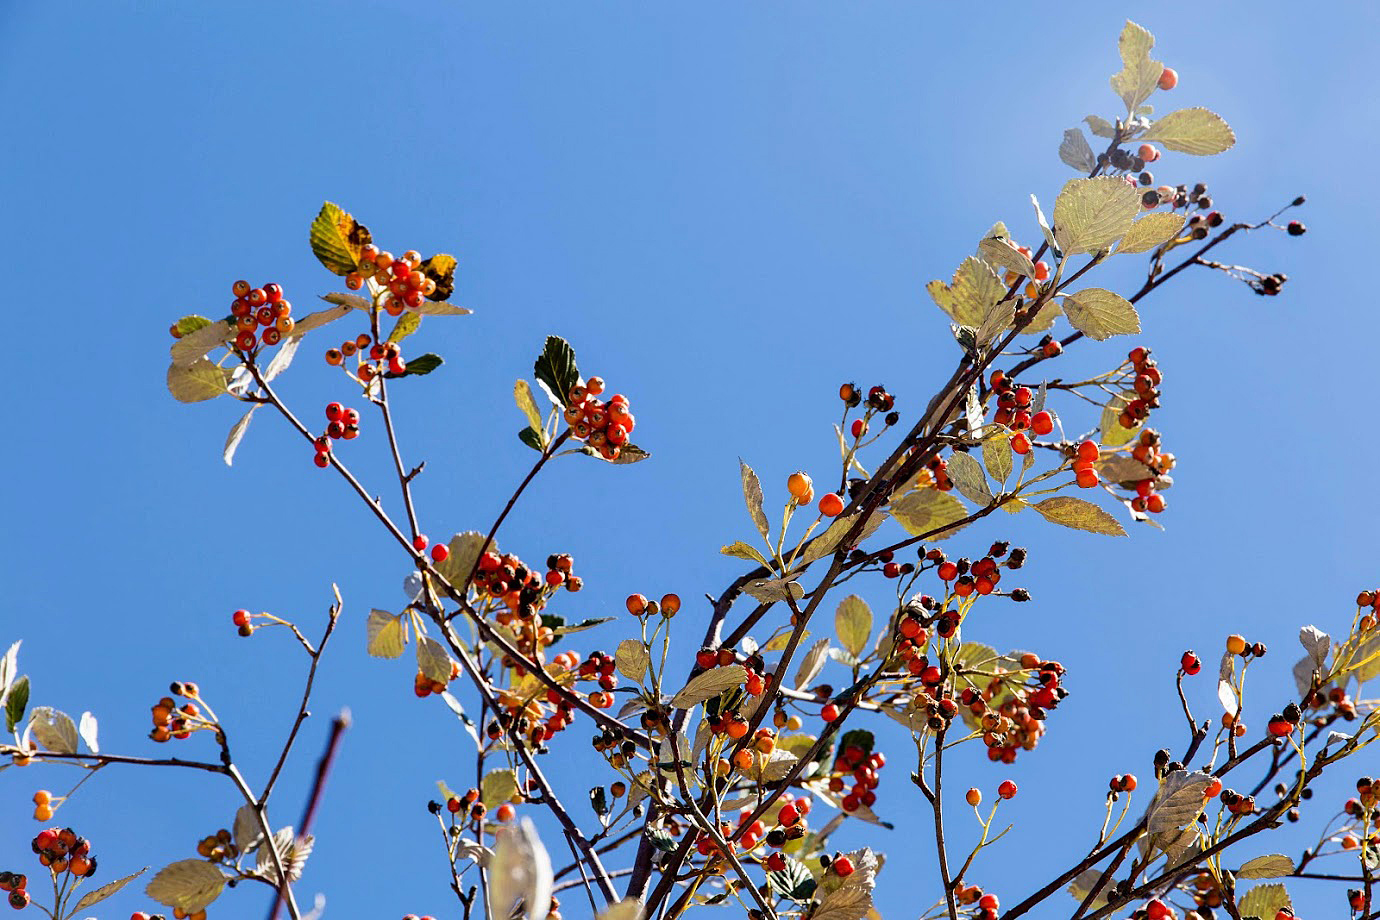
(1178, 802)
(88, 728)
(337, 238)
(1074, 151)
(432, 660)
(1092, 214)
(232, 440)
(1276, 865)
(556, 368)
(997, 320)
(282, 358)
(853, 623)
(1264, 901)
(929, 513)
(632, 659)
(1150, 231)
(709, 684)
(1101, 314)
(197, 382)
(387, 634)
(440, 268)
(1196, 130)
(519, 871)
(1079, 514)
(53, 729)
(432, 308)
(752, 494)
(973, 291)
(740, 550)
(189, 884)
(292, 852)
(97, 895)
(1139, 73)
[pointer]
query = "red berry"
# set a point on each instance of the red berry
(322, 460)
(829, 713)
(1190, 663)
(334, 411)
(1088, 451)
(1042, 422)
(240, 617)
(830, 505)
(843, 867)
(1169, 78)
(859, 428)
(420, 542)
(1007, 789)
(273, 292)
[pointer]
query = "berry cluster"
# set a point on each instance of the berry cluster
(424, 686)
(218, 847)
(44, 804)
(1013, 411)
(17, 886)
(405, 278)
(639, 606)
(260, 308)
(61, 850)
(1147, 451)
(981, 577)
(1146, 384)
(341, 424)
(524, 593)
(1285, 723)
(1011, 709)
(349, 348)
(171, 721)
(604, 426)
(1084, 459)
(856, 761)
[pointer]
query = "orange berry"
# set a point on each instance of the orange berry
(1088, 451)
(974, 796)
(737, 730)
(830, 505)
(1087, 479)
(504, 813)
(799, 485)
(43, 813)
(1169, 78)
(742, 759)
(670, 605)
(637, 604)
(1236, 644)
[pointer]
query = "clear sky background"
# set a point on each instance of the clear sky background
(727, 210)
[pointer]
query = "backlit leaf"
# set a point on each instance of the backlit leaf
(752, 494)
(53, 729)
(1140, 74)
(197, 382)
(522, 395)
(337, 238)
(709, 684)
(631, 659)
(1178, 802)
(1196, 130)
(408, 323)
(556, 368)
(1001, 252)
(97, 895)
(247, 832)
(1150, 231)
(971, 293)
(194, 345)
(1093, 214)
(1113, 434)
(1083, 885)
(1101, 314)
(1100, 126)
(16, 701)
(282, 357)
(322, 317)
(232, 440)
(853, 623)
(626, 909)
(88, 728)
(1074, 151)
(929, 513)
(497, 787)
(441, 269)
(770, 590)
(464, 553)
(1079, 514)
(812, 663)
(432, 308)
(996, 455)
(292, 852)
(432, 660)
(387, 634)
(968, 477)
(740, 550)
(189, 884)
(422, 364)
(1045, 228)
(828, 542)
(1275, 865)
(1264, 901)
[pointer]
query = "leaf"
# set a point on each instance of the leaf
(194, 346)
(629, 453)
(322, 317)
(1150, 231)
(337, 238)
(519, 871)
(770, 590)
(971, 293)
(197, 382)
(1100, 314)
(1317, 644)
(1139, 73)
(1196, 130)
(53, 729)
(408, 323)
(1264, 901)
(1079, 514)
(432, 660)
(828, 542)
(555, 367)
(996, 455)
(1123, 468)
(9, 668)
(292, 852)
(247, 831)
(421, 365)
(440, 268)
(522, 395)
(812, 664)
(752, 494)
(626, 909)
(968, 477)
(1100, 126)
(97, 895)
(1092, 214)
(709, 684)
(464, 553)
(853, 623)
(232, 440)
(387, 635)
(283, 357)
(1113, 434)
(848, 898)
(632, 659)
(1178, 802)
(497, 787)
(189, 324)
(1226, 693)
(1074, 151)
(929, 513)
(1045, 228)
(794, 881)
(1276, 865)
(15, 702)
(533, 438)
(1084, 883)
(88, 729)
(1001, 252)
(997, 320)
(188, 884)
(740, 550)
(432, 308)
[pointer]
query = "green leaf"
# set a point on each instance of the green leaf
(928, 513)
(996, 455)
(971, 294)
(533, 438)
(1092, 214)
(189, 884)
(1197, 130)
(1075, 151)
(190, 324)
(740, 550)
(968, 477)
(1101, 314)
(556, 368)
(408, 323)
(440, 268)
(794, 882)
(337, 239)
(15, 703)
(1113, 435)
(853, 623)
(198, 381)
(1152, 230)
(422, 364)
(752, 495)
(1139, 73)
(1264, 901)
(1079, 514)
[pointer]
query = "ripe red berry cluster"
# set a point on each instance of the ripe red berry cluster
(600, 667)
(173, 721)
(863, 768)
(1084, 459)
(1147, 452)
(61, 850)
(257, 309)
(17, 885)
(981, 577)
(404, 278)
(1146, 384)
(1012, 708)
(348, 349)
(878, 400)
(523, 591)
(757, 679)
(606, 427)
(1365, 807)
(218, 847)
(987, 903)
(342, 424)
(1282, 724)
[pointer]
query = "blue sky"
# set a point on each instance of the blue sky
(727, 211)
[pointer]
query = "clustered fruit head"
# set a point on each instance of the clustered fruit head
(523, 593)
(862, 766)
(1146, 383)
(1147, 451)
(1011, 709)
(218, 847)
(173, 721)
(59, 850)
(639, 606)
(424, 686)
(1084, 464)
(342, 423)
(1014, 405)
(261, 315)
(405, 279)
(16, 884)
(604, 426)
(986, 902)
